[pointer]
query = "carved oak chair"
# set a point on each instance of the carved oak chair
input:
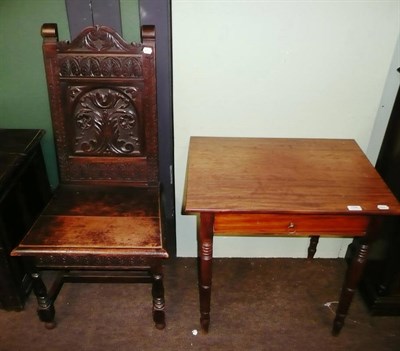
(104, 221)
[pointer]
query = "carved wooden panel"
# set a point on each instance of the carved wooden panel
(99, 38)
(93, 261)
(106, 170)
(104, 121)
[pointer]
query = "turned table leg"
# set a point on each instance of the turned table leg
(312, 249)
(205, 252)
(353, 276)
(354, 273)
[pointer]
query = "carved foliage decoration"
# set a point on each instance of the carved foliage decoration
(105, 121)
(101, 66)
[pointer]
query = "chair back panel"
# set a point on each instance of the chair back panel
(103, 104)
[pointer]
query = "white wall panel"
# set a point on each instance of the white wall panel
(277, 69)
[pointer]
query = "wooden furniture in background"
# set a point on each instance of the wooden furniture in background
(24, 191)
(105, 220)
(380, 285)
(289, 187)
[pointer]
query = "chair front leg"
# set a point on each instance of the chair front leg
(45, 310)
(158, 297)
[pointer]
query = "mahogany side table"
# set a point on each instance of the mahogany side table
(284, 187)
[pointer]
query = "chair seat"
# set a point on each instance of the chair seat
(98, 220)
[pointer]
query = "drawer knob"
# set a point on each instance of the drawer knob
(291, 228)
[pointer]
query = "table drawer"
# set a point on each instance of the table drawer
(292, 225)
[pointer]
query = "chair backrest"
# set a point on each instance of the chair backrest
(102, 93)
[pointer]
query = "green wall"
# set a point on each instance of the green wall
(23, 93)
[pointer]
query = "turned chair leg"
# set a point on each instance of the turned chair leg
(158, 298)
(45, 310)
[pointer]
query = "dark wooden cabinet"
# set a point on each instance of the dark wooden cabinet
(380, 286)
(24, 191)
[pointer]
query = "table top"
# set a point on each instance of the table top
(283, 175)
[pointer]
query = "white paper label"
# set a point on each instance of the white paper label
(354, 208)
(383, 207)
(147, 50)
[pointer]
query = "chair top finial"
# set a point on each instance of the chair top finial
(49, 30)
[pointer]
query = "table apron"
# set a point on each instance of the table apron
(291, 225)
